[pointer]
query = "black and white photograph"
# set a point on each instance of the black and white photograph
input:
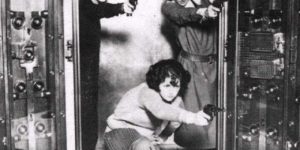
(149, 75)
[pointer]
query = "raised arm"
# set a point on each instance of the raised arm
(100, 10)
(179, 14)
(152, 101)
(183, 15)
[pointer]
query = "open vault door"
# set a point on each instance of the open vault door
(37, 64)
(260, 77)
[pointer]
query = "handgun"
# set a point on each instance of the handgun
(212, 110)
(218, 3)
(133, 3)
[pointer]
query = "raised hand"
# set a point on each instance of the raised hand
(211, 11)
(128, 7)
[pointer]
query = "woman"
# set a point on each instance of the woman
(150, 112)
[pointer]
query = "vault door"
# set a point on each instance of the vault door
(263, 111)
(33, 70)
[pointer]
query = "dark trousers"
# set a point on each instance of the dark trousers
(89, 69)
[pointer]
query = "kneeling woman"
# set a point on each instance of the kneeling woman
(149, 113)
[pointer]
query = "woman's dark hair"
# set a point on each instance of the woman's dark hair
(167, 68)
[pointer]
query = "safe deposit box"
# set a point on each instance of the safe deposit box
(261, 72)
(33, 55)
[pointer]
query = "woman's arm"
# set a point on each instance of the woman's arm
(151, 100)
(179, 14)
(101, 10)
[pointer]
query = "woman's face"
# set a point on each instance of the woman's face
(169, 91)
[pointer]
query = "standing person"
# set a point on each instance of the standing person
(197, 36)
(150, 112)
(90, 13)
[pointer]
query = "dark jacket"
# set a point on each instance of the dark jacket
(89, 19)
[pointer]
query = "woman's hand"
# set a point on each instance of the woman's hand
(200, 118)
(157, 140)
(128, 8)
(211, 11)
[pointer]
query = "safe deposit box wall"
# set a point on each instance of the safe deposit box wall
(31, 75)
(262, 57)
